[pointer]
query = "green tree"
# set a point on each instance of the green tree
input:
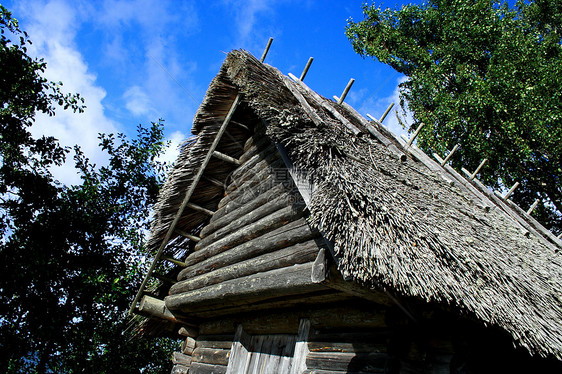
(484, 76)
(68, 255)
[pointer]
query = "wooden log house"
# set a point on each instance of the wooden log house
(307, 239)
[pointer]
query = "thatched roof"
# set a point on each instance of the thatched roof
(411, 227)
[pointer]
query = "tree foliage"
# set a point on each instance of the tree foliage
(69, 255)
(485, 76)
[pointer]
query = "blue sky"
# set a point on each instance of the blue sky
(135, 61)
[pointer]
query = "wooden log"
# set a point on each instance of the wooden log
(199, 208)
(247, 182)
(180, 369)
(305, 70)
(320, 267)
(283, 302)
(290, 234)
(200, 368)
(262, 147)
(224, 217)
(386, 112)
(154, 307)
(243, 217)
(345, 91)
(189, 332)
(181, 359)
(188, 345)
(296, 254)
(359, 316)
(265, 185)
(304, 105)
(215, 341)
(292, 280)
(212, 356)
(226, 158)
(335, 280)
(344, 361)
(255, 229)
(252, 158)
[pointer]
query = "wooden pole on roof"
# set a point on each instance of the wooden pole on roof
(473, 175)
(416, 133)
(386, 112)
(508, 193)
(346, 90)
(306, 69)
(266, 49)
(532, 207)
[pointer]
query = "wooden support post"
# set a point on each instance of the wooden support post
(471, 176)
(560, 236)
(266, 49)
(450, 154)
(200, 209)
(386, 112)
(533, 207)
(173, 260)
(508, 193)
(306, 69)
(156, 308)
(193, 238)
(415, 135)
(346, 90)
(227, 158)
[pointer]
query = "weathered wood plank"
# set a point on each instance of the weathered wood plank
(292, 233)
(347, 347)
(180, 369)
(255, 229)
(275, 283)
(181, 359)
(301, 348)
(342, 361)
(244, 218)
(284, 302)
(231, 215)
(214, 356)
(223, 341)
(297, 254)
(239, 357)
(200, 368)
(187, 346)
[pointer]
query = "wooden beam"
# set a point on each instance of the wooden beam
(226, 158)
(225, 270)
(386, 112)
(346, 90)
(264, 54)
(173, 260)
(286, 281)
(154, 307)
(284, 236)
(194, 238)
(306, 69)
(200, 209)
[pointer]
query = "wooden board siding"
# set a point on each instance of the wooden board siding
(257, 247)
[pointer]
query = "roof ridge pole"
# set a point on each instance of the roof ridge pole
(185, 201)
(346, 90)
(386, 112)
(306, 69)
(266, 49)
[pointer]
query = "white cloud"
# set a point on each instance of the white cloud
(137, 101)
(52, 28)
